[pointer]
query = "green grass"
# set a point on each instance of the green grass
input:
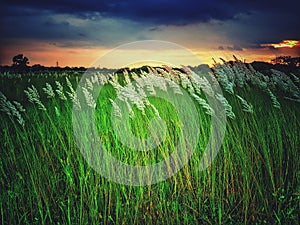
(253, 180)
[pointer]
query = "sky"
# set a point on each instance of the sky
(77, 32)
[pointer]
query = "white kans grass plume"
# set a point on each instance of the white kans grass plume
(48, 90)
(228, 107)
(186, 83)
(156, 112)
(175, 87)
(225, 77)
(158, 82)
(126, 77)
(19, 106)
(73, 96)
(89, 99)
(115, 84)
(69, 84)
(239, 74)
(257, 78)
(285, 83)
(247, 107)
(116, 109)
(201, 83)
(274, 100)
(149, 86)
(296, 79)
(134, 76)
(89, 85)
(204, 104)
(60, 91)
(12, 109)
(130, 95)
(34, 97)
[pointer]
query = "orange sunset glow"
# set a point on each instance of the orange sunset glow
(284, 44)
(48, 54)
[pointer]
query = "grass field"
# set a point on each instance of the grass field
(254, 179)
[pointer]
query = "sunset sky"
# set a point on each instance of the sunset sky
(77, 32)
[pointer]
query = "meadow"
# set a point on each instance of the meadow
(254, 179)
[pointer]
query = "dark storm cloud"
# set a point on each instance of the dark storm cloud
(156, 11)
(266, 21)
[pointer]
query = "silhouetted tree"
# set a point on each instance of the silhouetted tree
(287, 60)
(20, 62)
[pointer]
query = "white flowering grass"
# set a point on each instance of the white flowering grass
(60, 91)
(34, 97)
(45, 179)
(48, 90)
(12, 109)
(247, 107)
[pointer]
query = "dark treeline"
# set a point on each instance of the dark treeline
(20, 65)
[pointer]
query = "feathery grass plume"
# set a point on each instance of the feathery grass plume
(129, 107)
(114, 78)
(149, 86)
(116, 109)
(89, 85)
(296, 79)
(203, 84)
(60, 91)
(222, 75)
(134, 76)
(284, 82)
(175, 87)
(102, 79)
(73, 96)
(228, 70)
(257, 78)
(48, 90)
(152, 70)
(75, 101)
(228, 107)
(204, 104)
(156, 112)
(239, 70)
(70, 93)
(292, 99)
(34, 97)
(69, 84)
(126, 77)
(89, 98)
(15, 113)
(12, 110)
(158, 82)
(186, 83)
(247, 107)
(114, 82)
(94, 79)
(128, 93)
(19, 106)
(214, 81)
(275, 102)
(141, 92)
(3, 104)
(166, 72)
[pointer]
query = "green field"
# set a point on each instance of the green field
(254, 178)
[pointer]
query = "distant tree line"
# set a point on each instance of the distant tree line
(20, 64)
(287, 60)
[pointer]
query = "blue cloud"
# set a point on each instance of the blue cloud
(155, 11)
